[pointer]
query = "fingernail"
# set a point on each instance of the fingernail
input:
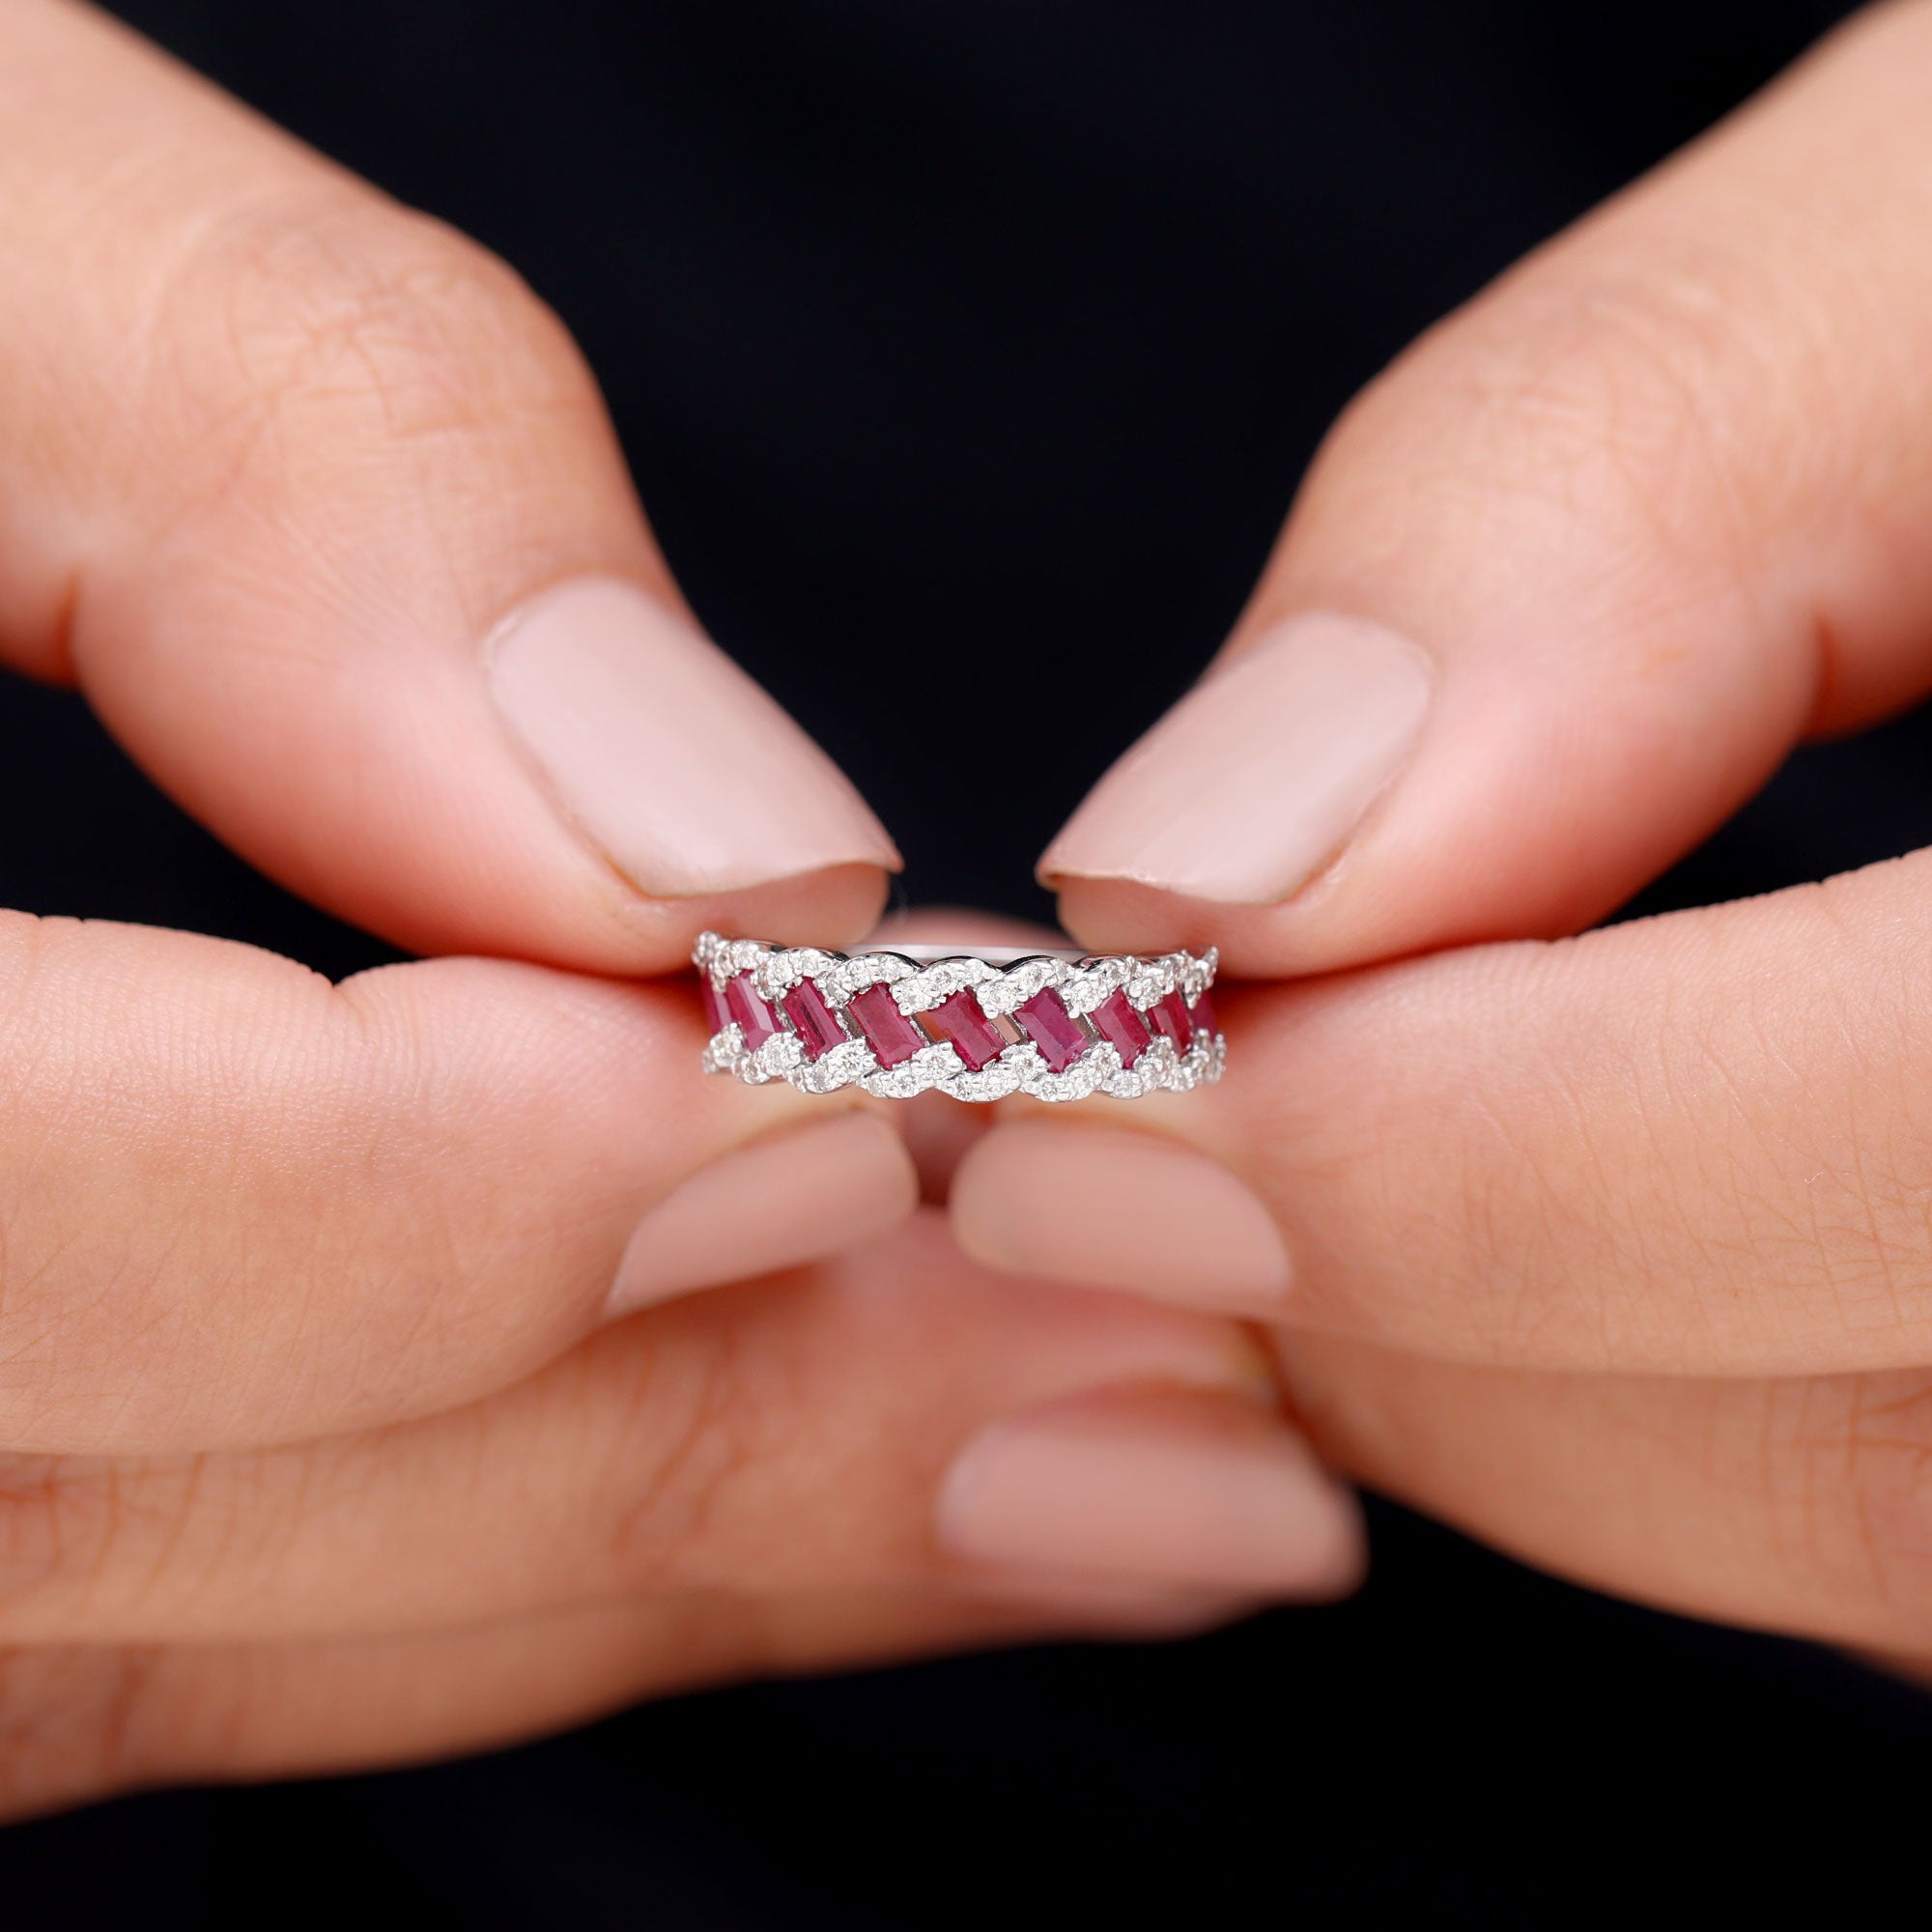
(664, 754)
(1154, 1487)
(1256, 780)
(793, 1197)
(1119, 1209)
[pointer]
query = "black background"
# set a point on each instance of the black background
(999, 335)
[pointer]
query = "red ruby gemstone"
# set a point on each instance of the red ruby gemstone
(1202, 1017)
(1169, 1018)
(963, 1020)
(754, 1013)
(715, 1015)
(1116, 1020)
(1052, 1028)
(812, 1016)
(894, 1038)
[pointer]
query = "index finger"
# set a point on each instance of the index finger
(319, 506)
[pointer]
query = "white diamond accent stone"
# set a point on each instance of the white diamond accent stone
(1095, 983)
(931, 984)
(1089, 1072)
(842, 1067)
(1151, 981)
(1018, 985)
(870, 969)
(929, 1067)
(777, 973)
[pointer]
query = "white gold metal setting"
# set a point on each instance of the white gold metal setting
(977, 1024)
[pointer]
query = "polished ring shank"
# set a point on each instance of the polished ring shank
(974, 1023)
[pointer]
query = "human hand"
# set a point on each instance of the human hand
(358, 1400)
(1615, 1250)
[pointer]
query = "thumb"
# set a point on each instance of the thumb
(1568, 582)
(321, 507)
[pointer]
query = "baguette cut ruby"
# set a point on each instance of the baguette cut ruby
(715, 1015)
(894, 1038)
(812, 1014)
(1116, 1020)
(1052, 1028)
(757, 1016)
(963, 1021)
(1202, 1017)
(1169, 1018)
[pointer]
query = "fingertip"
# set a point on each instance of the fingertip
(831, 906)
(1253, 783)
(779, 1202)
(603, 924)
(1167, 1487)
(1123, 915)
(1255, 942)
(1402, 900)
(1120, 1208)
(677, 766)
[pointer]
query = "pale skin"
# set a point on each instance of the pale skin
(314, 1396)
(358, 1402)
(1613, 1250)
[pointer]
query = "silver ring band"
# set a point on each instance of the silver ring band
(977, 1024)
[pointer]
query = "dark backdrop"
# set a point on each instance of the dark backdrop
(990, 330)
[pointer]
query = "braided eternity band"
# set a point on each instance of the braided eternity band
(977, 1025)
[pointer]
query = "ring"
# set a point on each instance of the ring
(973, 1023)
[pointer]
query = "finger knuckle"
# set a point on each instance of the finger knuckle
(46, 1533)
(1599, 393)
(342, 317)
(1816, 1163)
(698, 1472)
(1606, 377)
(1850, 1463)
(100, 1544)
(72, 1725)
